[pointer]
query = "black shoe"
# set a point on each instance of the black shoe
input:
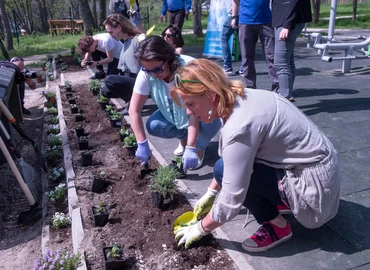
(25, 111)
(98, 75)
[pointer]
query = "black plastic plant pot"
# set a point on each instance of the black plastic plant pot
(115, 123)
(116, 264)
(131, 150)
(69, 95)
(80, 131)
(79, 117)
(74, 110)
(95, 91)
(86, 159)
(72, 100)
(108, 114)
(83, 145)
(100, 220)
(103, 105)
(68, 89)
(160, 202)
(180, 174)
(122, 136)
(98, 184)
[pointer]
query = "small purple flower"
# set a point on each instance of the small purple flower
(62, 262)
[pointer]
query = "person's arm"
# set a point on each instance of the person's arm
(235, 14)
(136, 105)
(187, 6)
(107, 60)
(179, 50)
(164, 9)
(31, 84)
(87, 58)
(193, 130)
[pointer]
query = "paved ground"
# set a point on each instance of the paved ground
(340, 105)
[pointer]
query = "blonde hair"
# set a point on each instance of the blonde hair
(213, 79)
(115, 19)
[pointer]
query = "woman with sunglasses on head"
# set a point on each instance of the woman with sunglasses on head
(274, 158)
(121, 86)
(159, 63)
(172, 35)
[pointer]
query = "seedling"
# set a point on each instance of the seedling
(101, 208)
(103, 99)
(130, 140)
(115, 116)
(163, 181)
(115, 253)
(67, 83)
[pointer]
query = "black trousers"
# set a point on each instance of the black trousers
(263, 192)
(118, 86)
(177, 17)
(112, 66)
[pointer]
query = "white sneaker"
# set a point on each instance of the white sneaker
(179, 151)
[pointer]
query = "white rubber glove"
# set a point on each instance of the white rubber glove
(204, 204)
(189, 235)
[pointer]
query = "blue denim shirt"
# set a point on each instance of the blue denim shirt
(172, 5)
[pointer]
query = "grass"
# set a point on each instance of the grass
(362, 22)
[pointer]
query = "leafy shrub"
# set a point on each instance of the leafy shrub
(57, 260)
(164, 181)
(58, 193)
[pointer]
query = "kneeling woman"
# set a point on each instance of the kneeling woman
(159, 63)
(273, 157)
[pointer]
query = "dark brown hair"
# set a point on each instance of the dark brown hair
(84, 44)
(176, 34)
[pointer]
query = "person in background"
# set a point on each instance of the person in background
(99, 50)
(130, 12)
(272, 157)
(177, 9)
(122, 85)
(254, 23)
(288, 20)
(172, 35)
(27, 79)
(159, 63)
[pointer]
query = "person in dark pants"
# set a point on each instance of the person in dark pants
(19, 62)
(99, 50)
(122, 85)
(177, 9)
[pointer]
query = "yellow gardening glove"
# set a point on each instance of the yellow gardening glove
(204, 204)
(189, 235)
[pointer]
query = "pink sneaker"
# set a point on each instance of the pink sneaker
(267, 237)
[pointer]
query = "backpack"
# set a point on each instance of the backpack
(19, 75)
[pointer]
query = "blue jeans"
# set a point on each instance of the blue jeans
(263, 192)
(284, 59)
(248, 36)
(157, 125)
(227, 31)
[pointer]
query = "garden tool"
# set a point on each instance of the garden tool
(185, 220)
(145, 170)
(14, 123)
(34, 213)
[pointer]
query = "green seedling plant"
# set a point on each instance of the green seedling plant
(63, 66)
(60, 220)
(124, 131)
(93, 84)
(178, 161)
(54, 128)
(130, 140)
(101, 208)
(115, 116)
(55, 153)
(67, 83)
(115, 253)
(74, 106)
(163, 181)
(103, 99)
(54, 140)
(109, 108)
(53, 119)
(51, 76)
(58, 193)
(57, 174)
(83, 138)
(52, 110)
(49, 94)
(101, 175)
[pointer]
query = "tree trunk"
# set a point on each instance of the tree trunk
(354, 13)
(6, 27)
(197, 18)
(43, 16)
(94, 12)
(316, 10)
(103, 11)
(86, 17)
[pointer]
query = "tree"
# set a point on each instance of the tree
(103, 11)
(197, 18)
(354, 10)
(316, 10)
(6, 27)
(86, 17)
(41, 4)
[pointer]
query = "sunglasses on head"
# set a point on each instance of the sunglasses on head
(178, 80)
(167, 35)
(156, 70)
(16, 59)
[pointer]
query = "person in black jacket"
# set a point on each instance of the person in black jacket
(288, 19)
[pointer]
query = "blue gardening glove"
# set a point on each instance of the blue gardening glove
(143, 152)
(190, 234)
(204, 204)
(189, 159)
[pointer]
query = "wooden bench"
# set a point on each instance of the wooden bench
(65, 26)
